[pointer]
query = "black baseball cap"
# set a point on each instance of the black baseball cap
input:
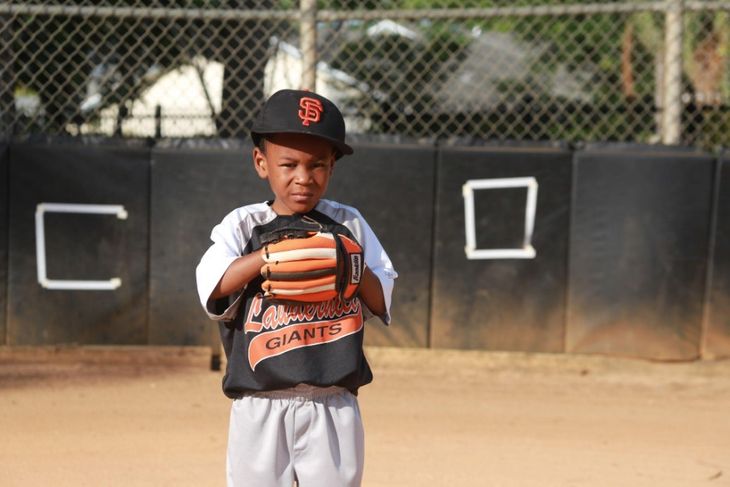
(301, 112)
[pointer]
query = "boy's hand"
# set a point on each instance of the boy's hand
(316, 267)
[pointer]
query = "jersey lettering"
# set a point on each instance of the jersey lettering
(282, 328)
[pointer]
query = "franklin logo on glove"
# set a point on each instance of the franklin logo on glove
(356, 266)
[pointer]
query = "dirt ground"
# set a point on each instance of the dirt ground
(157, 417)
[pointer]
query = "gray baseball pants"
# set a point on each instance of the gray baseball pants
(309, 435)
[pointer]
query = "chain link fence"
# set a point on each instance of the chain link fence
(505, 70)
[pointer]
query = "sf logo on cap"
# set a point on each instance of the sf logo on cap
(311, 110)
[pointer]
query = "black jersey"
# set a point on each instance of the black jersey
(271, 346)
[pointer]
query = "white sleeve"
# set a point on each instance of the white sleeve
(375, 258)
(227, 246)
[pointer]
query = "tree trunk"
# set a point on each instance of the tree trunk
(627, 70)
(246, 55)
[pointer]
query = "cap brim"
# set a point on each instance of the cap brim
(342, 148)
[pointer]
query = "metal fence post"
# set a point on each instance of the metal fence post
(672, 105)
(308, 43)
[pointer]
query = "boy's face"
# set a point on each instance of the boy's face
(298, 168)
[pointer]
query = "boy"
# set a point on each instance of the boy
(293, 369)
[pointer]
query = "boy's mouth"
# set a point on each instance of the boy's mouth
(300, 197)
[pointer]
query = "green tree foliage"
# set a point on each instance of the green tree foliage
(617, 57)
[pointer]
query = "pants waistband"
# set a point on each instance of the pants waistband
(300, 391)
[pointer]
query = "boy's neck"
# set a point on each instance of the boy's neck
(283, 210)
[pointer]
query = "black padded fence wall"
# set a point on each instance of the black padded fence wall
(392, 186)
(92, 205)
(638, 251)
(716, 336)
(192, 190)
(3, 240)
(623, 235)
(504, 287)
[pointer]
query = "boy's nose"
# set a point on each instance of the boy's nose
(302, 176)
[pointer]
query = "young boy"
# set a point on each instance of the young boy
(293, 370)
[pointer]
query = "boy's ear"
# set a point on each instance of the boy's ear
(259, 163)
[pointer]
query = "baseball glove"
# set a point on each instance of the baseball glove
(311, 267)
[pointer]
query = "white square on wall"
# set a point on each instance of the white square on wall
(40, 241)
(527, 251)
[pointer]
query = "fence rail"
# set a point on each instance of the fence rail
(626, 71)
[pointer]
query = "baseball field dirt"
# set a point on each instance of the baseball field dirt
(156, 417)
